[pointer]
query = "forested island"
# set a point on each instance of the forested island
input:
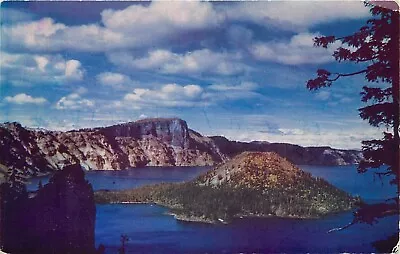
(251, 184)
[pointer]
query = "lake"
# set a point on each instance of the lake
(151, 230)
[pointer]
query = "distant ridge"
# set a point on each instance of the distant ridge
(146, 142)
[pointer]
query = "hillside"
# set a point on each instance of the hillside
(251, 184)
(148, 142)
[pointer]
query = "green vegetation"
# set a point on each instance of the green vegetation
(306, 200)
(251, 184)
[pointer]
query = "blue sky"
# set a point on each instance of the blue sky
(236, 69)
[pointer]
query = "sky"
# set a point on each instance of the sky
(237, 69)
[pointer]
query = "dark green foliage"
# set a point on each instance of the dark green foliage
(386, 246)
(58, 218)
(376, 46)
(309, 198)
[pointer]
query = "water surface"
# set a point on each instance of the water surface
(152, 230)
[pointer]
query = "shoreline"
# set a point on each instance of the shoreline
(202, 219)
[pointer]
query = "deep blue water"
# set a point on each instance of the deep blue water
(128, 179)
(151, 230)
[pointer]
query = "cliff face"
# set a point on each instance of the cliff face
(148, 142)
(151, 142)
(58, 218)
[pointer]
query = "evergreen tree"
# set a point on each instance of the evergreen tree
(375, 47)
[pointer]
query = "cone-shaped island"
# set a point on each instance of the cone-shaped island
(251, 184)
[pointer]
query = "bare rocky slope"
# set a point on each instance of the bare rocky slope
(148, 142)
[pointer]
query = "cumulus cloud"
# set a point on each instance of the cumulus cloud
(115, 80)
(174, 95)
(169, 95)
(195, 62)
(294, 15)
(132, 27)
(162, 16)
(299, 50)
(48, 36)
(74, 101)
(244, 86)
(31, 69)
(23, 98)
(158, 22)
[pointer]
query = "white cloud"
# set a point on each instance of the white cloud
(295, 15)
(299, 50)
(174, 95)
(244, 86)
(323, 95)
(169, 95)
(132, 27)
(198, 61)
(23, 98)
(74, 101)
(162, 16)
(115, 80)
(72, 69)
(47, 35)
(159, 22)
(32, 69)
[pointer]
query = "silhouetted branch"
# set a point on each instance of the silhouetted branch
(346, 75)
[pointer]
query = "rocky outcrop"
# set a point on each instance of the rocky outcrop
(58, 218)
(148, 142)
(250, 184)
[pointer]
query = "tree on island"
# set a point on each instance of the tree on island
(375, 47)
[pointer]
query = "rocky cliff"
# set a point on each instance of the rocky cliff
(250, 184)
(58, 218)
(148, 142)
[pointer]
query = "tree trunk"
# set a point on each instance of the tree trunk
(396, 94)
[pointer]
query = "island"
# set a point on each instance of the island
(261, 184)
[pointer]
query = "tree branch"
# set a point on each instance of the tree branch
(346, 75)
